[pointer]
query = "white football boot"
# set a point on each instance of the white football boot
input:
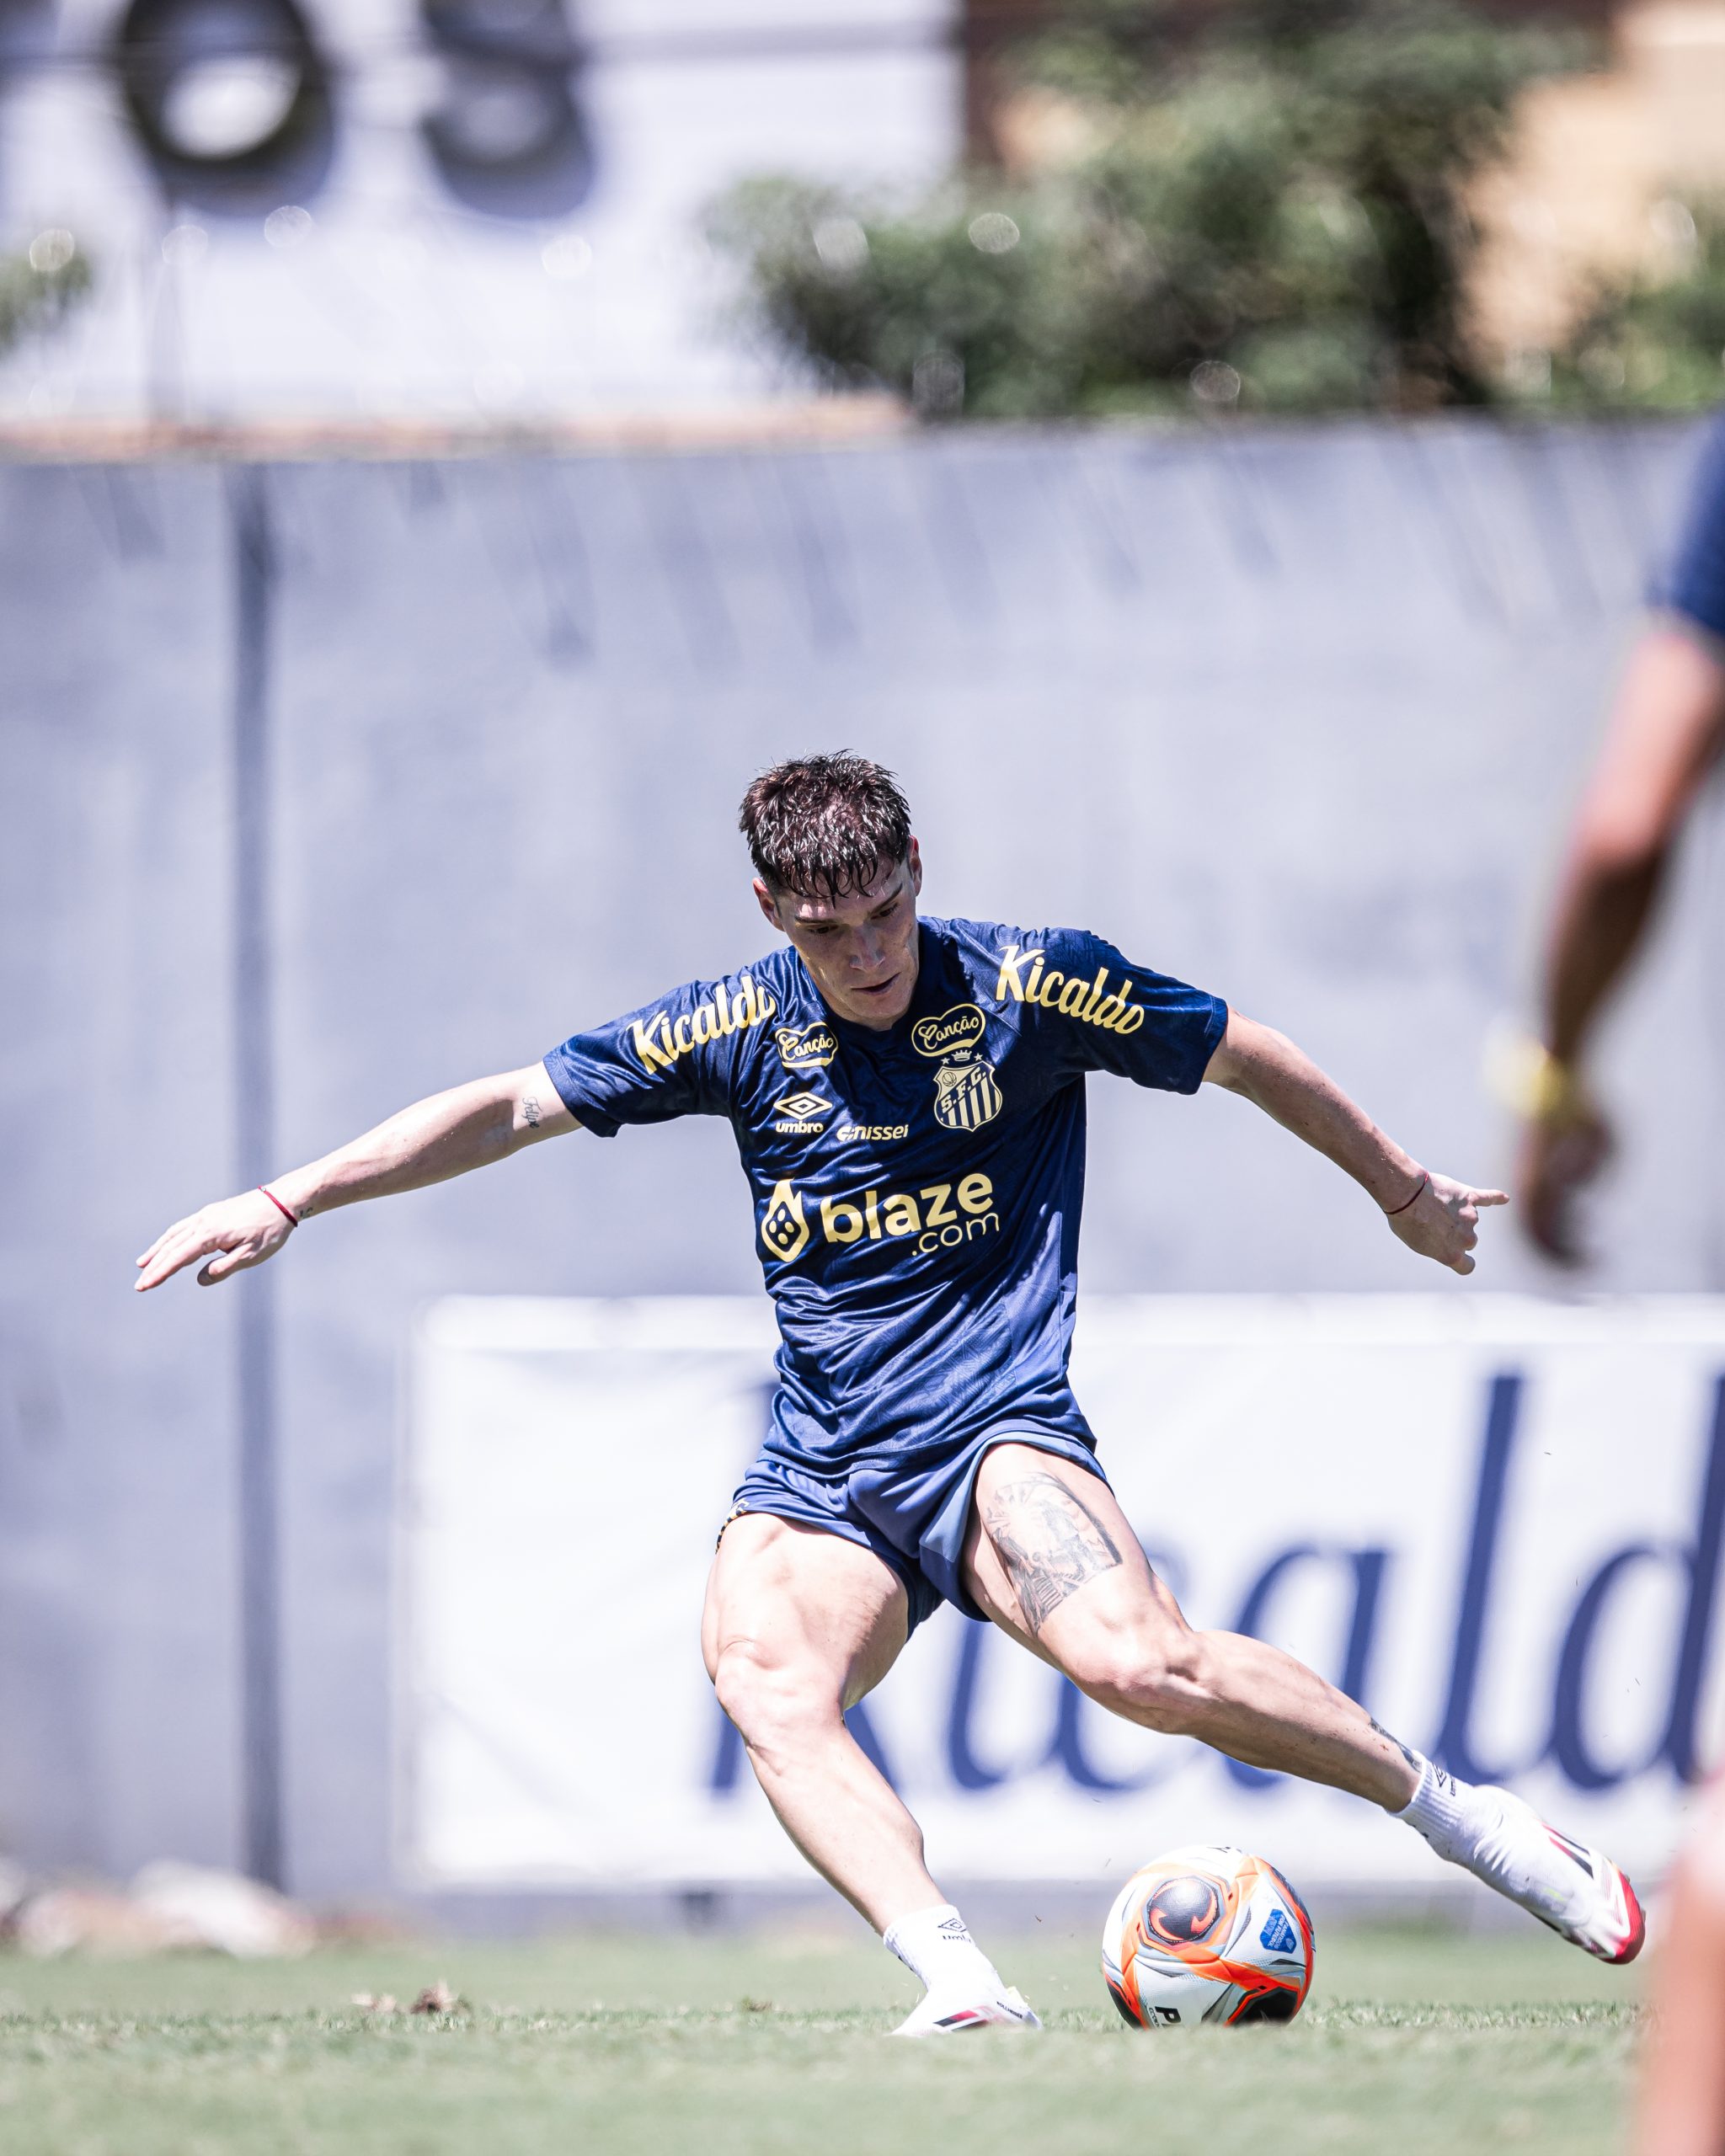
(949, 2016)
(1578, 1891)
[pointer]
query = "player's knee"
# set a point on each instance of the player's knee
(1155, 1673)
(777, 1707)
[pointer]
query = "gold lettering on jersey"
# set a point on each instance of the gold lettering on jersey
(839, 1223)
(806, 1047)
(961, 1027)
(934, 1226)
(900, 1215)
(661, 1042)
(1023, 980)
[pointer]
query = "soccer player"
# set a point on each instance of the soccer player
(908, 1099)
(1665, 736)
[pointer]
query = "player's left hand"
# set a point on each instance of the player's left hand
(1441, 1222)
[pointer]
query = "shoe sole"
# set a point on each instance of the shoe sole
(960, 2024)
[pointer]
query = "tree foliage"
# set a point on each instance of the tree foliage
(1274, 216)
(39, 284)
(1655, 343)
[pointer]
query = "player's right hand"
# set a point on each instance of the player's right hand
(231, 1235)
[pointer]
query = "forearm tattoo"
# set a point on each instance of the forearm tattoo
(1050, 1541)
(531, 1109)
(1389, 1738)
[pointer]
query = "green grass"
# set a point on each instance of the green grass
(1412, 2044)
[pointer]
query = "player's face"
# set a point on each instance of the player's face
(862, 948)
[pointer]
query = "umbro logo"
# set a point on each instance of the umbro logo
(802, 1113)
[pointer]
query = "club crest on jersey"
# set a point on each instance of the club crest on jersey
(966, 1092)
(806, 1047)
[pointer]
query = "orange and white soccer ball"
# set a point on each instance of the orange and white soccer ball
(1207, 1935)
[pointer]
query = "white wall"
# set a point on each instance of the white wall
(399, 300)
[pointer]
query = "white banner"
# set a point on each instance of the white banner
(1497, 1521)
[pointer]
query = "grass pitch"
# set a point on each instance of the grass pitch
(1422, 2044)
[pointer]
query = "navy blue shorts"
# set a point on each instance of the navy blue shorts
(911, 1512)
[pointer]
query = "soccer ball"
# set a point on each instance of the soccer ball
(1207, 1935)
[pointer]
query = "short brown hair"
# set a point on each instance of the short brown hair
(824, 825)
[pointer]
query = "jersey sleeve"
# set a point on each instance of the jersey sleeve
(1693, 583)
(1097, 1010)
(675, 1057)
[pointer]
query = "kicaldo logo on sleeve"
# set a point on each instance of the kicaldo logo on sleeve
(1023, 980)
(940, 1216)
(661, 1040)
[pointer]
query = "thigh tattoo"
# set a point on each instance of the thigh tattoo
(1050, 1541)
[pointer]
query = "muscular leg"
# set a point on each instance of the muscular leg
(798, 1625)
(1043, 1529)
(1050, 1558)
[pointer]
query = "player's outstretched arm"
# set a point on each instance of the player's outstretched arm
(428, 1143)
(1431, 1213)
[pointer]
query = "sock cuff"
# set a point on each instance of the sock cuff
(1438, 1806)
(942, 1916)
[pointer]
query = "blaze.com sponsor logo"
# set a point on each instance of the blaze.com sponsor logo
(940, 1216)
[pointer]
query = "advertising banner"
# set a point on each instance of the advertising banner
(1497, 1521)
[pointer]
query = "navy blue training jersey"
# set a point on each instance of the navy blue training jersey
(1694, 583)
(917, 1191)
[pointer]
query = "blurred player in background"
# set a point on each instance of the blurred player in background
(907, 1097)
(1682, 2110)
(1663, 738)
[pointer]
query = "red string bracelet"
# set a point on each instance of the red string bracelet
(1390, 1212)
(293, 1218)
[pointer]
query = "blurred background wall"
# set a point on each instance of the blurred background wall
(1296, 717)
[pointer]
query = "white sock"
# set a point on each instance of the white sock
(1443, 1810)
(936, 1945)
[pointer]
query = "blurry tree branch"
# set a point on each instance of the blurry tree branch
(39, 284)
(1267, 215)
(1656, 343)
